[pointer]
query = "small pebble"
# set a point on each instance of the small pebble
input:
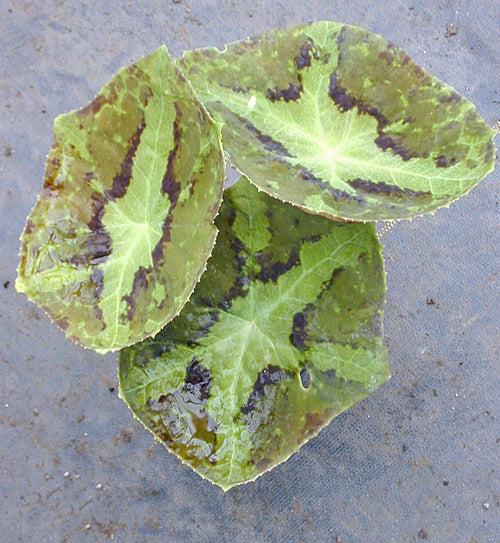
(87, 526)
(98, 486)
(66, 475)
(486, 505)
(451, 30)
(422, 534)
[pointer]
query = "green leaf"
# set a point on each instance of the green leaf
(340, 122)
(283, 332)
(123, 227)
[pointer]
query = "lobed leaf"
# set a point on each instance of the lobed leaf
(123, 227)
(341, 122)
(283, 332)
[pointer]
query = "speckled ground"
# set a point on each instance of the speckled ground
(418, 460)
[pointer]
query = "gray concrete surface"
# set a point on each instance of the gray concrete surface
(418, 460)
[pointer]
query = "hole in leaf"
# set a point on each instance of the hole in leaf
(305, 378)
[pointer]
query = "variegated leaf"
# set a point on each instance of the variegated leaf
(340, 122)
(283, 332)
(124, 224)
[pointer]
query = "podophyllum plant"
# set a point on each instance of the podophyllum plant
(284, 329)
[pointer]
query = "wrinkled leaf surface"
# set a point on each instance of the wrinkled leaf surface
(283, 332)
(124, 225)
(340, 122)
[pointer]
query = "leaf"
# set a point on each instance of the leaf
(283, 332)
(123, 227)
(341, 122)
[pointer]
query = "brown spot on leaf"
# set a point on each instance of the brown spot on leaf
(445, 162)
(313, 422)
(52, 167)
(240, 253)
(269, 144)
(453, 97)
(96, 247)
(271, 272)
(28, 229)
(97, 279)
(262, 465)
(490, 152)
(339, 95)
(328, 284)
(338, 194)
(382, 188)
(453, 125)
(169, 184)
(304, 58)
(237, 89)
(140, 282)
(204, 325)
(98, 204)
(198, 382)
(387, 56)
(157, 254)
(292, 92)
(299, 334)
(385, 141)
(231, 217)
(240, 281)
(62, 323)
(94, 106)
(272, 375)
(122, 180)
(240, 289)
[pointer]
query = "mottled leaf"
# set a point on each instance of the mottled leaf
(341, 122)
(124, 224)
(283, 332)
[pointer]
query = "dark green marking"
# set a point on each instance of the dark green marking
(268, 378)
(384, 189)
